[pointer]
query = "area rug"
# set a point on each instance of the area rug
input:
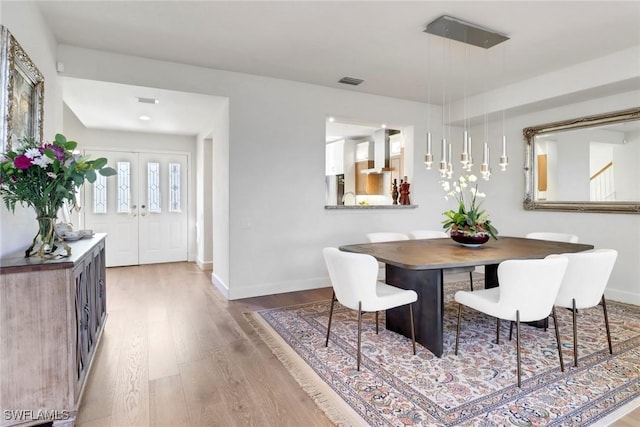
(477, 387)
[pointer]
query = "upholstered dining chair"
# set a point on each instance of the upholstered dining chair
(355, 285)
(384, 236)
(427, 234)
(583, 287)
(437, 234)
(556, 237)
(527, 291)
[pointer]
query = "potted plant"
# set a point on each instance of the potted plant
(469, 224)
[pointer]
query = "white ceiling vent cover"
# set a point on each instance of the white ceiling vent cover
(147, 100)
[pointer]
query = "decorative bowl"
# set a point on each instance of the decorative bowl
(71, 235)
(470, 241)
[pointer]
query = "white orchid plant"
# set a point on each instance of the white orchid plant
(468, 218)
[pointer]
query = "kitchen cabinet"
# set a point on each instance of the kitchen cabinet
(396, 158)
(397, 168)
(334, 158)
(364, 151)
(368, 183)
(52, 313)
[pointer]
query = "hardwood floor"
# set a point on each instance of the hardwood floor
(175, 353)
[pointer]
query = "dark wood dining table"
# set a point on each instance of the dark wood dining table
(419, 265)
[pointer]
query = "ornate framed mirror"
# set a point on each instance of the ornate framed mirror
(587, 164)
(21, 94)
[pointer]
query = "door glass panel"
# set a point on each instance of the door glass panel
(153, 187)
(124, 187)
(100, 194)
(174, 187)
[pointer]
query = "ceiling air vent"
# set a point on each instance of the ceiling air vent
(350, 81)
(147, 100)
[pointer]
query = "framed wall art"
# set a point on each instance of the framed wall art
(21, 94)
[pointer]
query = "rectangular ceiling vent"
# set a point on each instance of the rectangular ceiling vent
(147, 100)
(350, 81)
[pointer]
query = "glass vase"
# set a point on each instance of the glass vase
(44, 242)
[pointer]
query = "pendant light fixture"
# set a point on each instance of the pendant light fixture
(472, 35)
(428, 157)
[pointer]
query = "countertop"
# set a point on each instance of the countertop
(368, 207)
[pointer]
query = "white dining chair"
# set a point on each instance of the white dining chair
(583, 287)
(437, 234)
(427, 234)
(384, 236)
(556, 237)
(527, 292)
(355, 286)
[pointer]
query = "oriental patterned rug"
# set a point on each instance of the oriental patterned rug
(475, 388)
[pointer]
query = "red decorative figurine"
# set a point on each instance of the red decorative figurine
(404, 192)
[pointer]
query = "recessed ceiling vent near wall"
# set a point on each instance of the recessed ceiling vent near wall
(350, 81)
(147, 100)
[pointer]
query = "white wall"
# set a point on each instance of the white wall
(626, 158)
(221, 201)
(204, 203)
(27, 26)
(268, 175)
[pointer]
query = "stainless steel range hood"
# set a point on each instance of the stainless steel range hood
(381, 150)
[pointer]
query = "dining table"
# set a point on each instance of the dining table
(420, 264)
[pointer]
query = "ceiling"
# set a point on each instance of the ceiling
(381, 42)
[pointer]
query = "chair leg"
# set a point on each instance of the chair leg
(498, 330)
(606, 324)
(333, 300)
(413, 330)
(510, 330)
(518, 346)
(555, 323)
(575, 333)
(359, 331)
(376, 323)
(458, 327)
(471, 280)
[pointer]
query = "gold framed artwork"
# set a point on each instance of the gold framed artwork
(21, 94)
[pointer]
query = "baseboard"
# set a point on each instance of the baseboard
(204, 265)
(296, 285)
(218, 283)
(279, 288)
(622, 296)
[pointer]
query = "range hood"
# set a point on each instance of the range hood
(381, 150)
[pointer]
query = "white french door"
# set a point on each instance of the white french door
(143, 209)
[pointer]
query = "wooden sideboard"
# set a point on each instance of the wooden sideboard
(52, 314)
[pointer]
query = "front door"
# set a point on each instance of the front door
(143, 209)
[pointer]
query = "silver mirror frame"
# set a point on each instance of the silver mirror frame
(14, 60)
(530, 133)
